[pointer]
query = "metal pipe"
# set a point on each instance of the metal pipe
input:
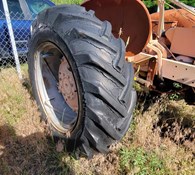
(161, 27)
(11, 34)
(184, 6)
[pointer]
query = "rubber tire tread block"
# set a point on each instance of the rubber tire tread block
(100, 126)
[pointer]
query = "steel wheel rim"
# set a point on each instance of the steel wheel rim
(44, 52)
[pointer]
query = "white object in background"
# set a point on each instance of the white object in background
(185, 59)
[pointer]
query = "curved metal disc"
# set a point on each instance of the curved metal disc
(130, 15)
(67, 85)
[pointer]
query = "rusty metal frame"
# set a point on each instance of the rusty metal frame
(178, 71)
(166, 68)
(162, 66)
(174, 70)
(161, 4)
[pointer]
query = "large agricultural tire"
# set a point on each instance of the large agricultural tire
(70, 39)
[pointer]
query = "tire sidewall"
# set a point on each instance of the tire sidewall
(48, 35)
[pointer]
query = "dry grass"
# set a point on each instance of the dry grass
(160, 140)
(166, 128)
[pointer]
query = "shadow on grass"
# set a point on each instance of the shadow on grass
(32, 154)
(26, 84)
(178, 126)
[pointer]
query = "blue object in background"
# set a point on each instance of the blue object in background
(22, 13)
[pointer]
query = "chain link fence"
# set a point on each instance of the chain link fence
(16, 17)
(21, 30)
(21, 14)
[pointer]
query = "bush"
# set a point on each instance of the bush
(67, 1)
(152, 3)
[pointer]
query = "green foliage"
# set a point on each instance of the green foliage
(148, 3)
(177, 85)
(140, 162)
(189, 2)
(152, 3)
(58, 2)
(175, 96)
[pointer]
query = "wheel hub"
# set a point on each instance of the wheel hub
(67, 85)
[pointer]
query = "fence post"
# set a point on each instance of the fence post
(12, 38)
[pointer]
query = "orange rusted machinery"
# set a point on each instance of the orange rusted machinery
(158, 44)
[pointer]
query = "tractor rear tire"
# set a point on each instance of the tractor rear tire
(102, 77)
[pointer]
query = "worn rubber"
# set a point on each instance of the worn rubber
(105, 78)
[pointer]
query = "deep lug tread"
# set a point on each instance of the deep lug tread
(90, 59)
(105, 96)
(98, 57)
(97, 39)
(124, 98)
(119, 61)
(97, 118)
(93, 134)
(85, 147)
(106, 30)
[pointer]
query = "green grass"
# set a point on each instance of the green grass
(58, 2)
(12, 97)
(140, 162)
(149, 3)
